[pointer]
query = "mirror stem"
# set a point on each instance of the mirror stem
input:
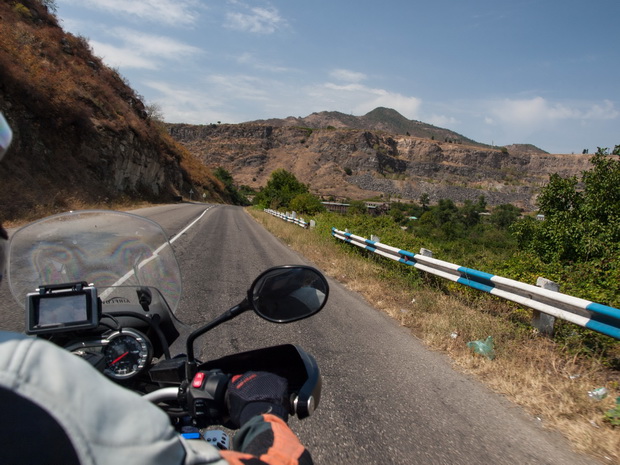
(191, 365)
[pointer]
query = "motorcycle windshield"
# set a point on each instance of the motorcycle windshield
(104, 248)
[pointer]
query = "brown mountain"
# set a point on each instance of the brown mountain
(344, 156)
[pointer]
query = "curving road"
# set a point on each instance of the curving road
(386, 398)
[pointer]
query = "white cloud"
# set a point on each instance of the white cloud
(441, 120)
(169, 12)
(140, 50)
(251, 60)
(605, 111)
(239, 86)
(347, 75)
(559, 126)
(155, 45)
(122, 57)
(189, 105)
(361, 99)
(536, 111)
(530, 112)
(257, 20)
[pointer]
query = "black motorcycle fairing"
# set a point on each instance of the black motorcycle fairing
(288, 361)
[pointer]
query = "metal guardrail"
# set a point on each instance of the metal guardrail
(291, 218)
(597, 317)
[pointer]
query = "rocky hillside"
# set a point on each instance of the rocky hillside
(82, 136)
(356, 163)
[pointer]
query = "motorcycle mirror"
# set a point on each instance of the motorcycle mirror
(284, 294)
(5, 136)
(281, 294)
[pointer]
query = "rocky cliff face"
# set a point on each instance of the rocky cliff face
(359, 164)
(55, 168)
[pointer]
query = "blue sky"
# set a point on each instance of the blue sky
(545, 72)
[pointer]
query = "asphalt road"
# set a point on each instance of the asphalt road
(386, 398)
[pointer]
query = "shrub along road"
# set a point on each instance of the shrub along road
(386, 398)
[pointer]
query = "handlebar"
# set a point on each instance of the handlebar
(203, 396)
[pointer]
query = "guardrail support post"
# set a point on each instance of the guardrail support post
(426, 252)
(541, 321)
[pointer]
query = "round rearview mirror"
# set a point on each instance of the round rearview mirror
(288, 293)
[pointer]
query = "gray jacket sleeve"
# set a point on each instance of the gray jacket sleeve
(106, 423)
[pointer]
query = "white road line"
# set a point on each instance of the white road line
(130, 273)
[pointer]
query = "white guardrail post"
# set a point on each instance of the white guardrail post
(597, 317)
(290, 217)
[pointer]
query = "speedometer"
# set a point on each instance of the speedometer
(127, 353)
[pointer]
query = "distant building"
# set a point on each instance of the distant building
(336, 206)
(374, 208)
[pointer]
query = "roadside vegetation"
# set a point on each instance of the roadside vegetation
(549, 376)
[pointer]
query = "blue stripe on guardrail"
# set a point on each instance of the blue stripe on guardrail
(476, 279)
(406, 253)
(600, 327)
(604, 310)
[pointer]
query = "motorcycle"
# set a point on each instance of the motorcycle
(106, 286)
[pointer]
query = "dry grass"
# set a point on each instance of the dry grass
(528, 369)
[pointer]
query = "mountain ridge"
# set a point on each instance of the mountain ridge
(383, 119)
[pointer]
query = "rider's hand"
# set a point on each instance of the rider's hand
(255, 393)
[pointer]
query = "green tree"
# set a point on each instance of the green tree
(446, 212)
(397, 215)
(307, 204)
(470, 214)
(581, 224)
(357, 207)
(236, 197)
(504, 215)
(281, 188)
(425, 201)
(559, 195)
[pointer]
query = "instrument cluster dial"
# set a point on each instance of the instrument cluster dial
(127, 353)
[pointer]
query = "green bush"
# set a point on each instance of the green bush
(281, 188)
(306, 204)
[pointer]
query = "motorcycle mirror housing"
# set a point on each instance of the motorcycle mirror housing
(284, 294)
(5, 135)
(281, 294)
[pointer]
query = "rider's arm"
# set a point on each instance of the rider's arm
(103, 422)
